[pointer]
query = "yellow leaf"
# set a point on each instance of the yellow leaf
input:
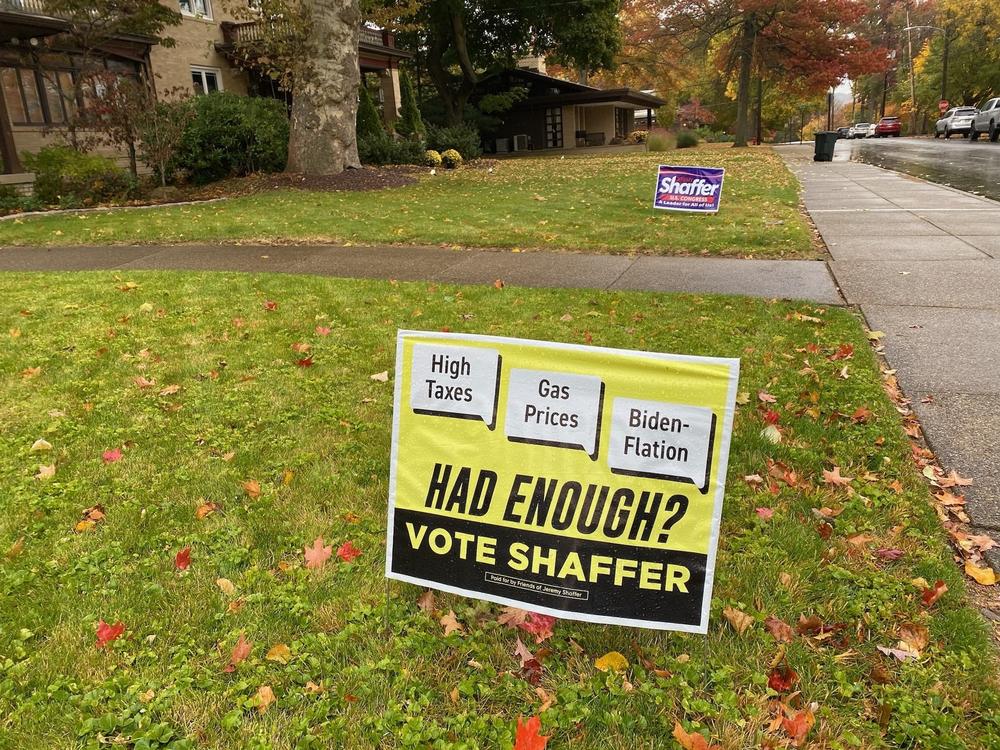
(225, 586)
(985, 576)
(41, 445)
(287, 477)
(612, 661)
(279, 653)
(265, 697)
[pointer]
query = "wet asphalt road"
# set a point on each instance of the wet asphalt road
(972, 167)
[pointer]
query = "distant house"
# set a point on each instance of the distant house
(38, 68)
(560, 114)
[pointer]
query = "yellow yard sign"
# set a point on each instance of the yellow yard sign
(575, 481)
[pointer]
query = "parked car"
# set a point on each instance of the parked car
(859, 130)
(844, 132)
(888, 126)
(986, 121)
(955, 120)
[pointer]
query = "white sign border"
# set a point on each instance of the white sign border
(656, 190)
(713, 542)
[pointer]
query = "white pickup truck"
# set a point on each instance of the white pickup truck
(987, 121)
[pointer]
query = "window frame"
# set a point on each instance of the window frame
(207, 15)
(202, 70)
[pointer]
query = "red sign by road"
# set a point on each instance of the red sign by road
(943, 105)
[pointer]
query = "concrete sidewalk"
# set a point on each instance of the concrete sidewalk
(787, 279)
(923, 263)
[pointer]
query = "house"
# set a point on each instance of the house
(558, 114)
(39, 67)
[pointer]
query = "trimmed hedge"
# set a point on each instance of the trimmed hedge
(233, 136)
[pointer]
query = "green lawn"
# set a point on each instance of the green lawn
(600, 203)
(196, 383)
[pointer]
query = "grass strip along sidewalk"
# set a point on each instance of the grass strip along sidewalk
(172, 443)
(601, 203)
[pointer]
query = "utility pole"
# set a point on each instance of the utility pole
(913, 88)
(944, 65)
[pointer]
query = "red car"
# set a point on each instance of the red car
(887, 126)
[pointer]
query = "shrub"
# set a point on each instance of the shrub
(432, 158)
(714, 136)
(451, 158)
(660, 140)
(410, 124)
(68, 178)
(231, 135)
(687, 139)
(369, 122)
(383, 149)
(463, 138)
(638, 136)
(12, 202)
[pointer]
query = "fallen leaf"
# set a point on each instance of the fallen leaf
(107, 633)
(426, 602)
(41, 446)
(913, 637)
(453, 696)
(771, 434)
(613, 661)
(546, 698)
(766, 397)
(270, 306)
(301, 347)
(312, 687)
(317, 555)
(692, 740)
(740, 620)
(539, 626)
(111, 456)
(348, 552)
(512, 617)
(798, 725)
(754, 480)
(954, 480)
(527, 736)
(240, 652)
(887, 553)
(933, 593)
(265, 697)
(834, 477)
(170, 390)
(380, 377)
(205, 509)
(322, 331)
(182, 560)
(305, 362)
(523, 653)
(781, 630)
(983, 576)
(15, 549)
(279, 653)
(451, 624)
(225, 586)
(252, 488)
(143, 382)
(147, 696)
(898, 653)
(782, 678)
(764, 513)
(46, 472)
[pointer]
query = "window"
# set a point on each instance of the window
(553, 127)
(621, 122)
(206, 80)
(20, 89)
(196, 8)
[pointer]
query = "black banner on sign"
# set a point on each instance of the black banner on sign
(548, 571)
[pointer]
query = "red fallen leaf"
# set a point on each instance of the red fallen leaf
(588, 337)
(771, 416)
(764, 513)
(844, 351)
(825, 530)
(766, 397)
(527, 736)
(270, 306)
(798, 725)
(539, 626)
(317, 555)
(886, 553)
(109, 457)
(107, 633)
(182, 560)
(350, 698)
(240, 652)
(935, 592)
(348, 552)
(782, 678)
(809, 625)
(322, 331)
(305, 362)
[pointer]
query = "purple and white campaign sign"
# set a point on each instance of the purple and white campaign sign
(696, 189)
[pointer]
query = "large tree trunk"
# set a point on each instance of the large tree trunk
(325, 100)
(746, 43)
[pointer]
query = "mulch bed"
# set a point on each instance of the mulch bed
(366, 178)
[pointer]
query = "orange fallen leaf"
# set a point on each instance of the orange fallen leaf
(265, 697)
(280, 653)
(692, 740)
(252, 488)
(528, 736)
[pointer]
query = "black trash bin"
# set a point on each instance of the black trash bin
(825, 141)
